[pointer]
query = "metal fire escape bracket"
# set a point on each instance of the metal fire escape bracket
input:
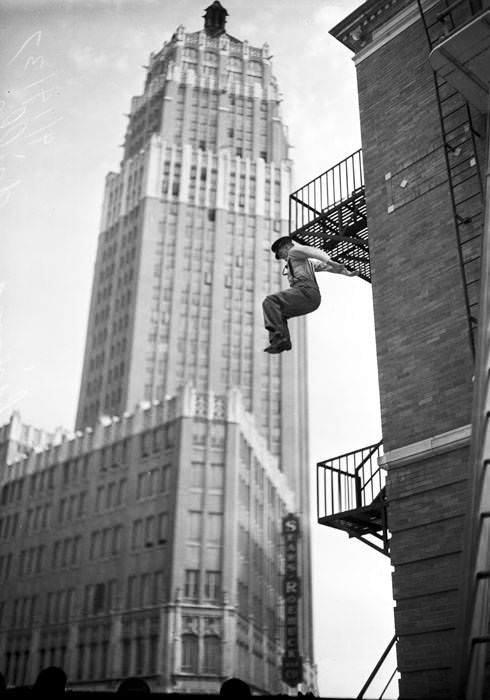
(329, 213)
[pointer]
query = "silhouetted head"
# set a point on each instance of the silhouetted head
(134, 685)
(235, 688)
(50, 681)
(281, 246)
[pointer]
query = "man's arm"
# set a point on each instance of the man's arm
(336, 268)
(309, 251)
(326, 262)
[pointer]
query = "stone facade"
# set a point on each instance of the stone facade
(149, 546)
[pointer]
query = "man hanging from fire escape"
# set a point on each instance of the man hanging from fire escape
(303, 296)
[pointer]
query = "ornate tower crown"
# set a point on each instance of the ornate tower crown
(215, 19)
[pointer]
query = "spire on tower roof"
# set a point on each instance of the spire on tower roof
(215, 19)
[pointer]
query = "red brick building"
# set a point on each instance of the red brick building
(425, 277)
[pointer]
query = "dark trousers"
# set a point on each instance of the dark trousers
(278, 307)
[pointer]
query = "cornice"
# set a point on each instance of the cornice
(357, 29)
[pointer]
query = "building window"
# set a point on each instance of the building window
(215, 522)
(165, 478)
(195, 524)
(212, 585)
(212, 654)
(162, 528)
(149, 530)
(145, 444)
(189, 653)
(197, 475)
(191, 584)
(99, 598)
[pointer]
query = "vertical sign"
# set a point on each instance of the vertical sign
(292, 663)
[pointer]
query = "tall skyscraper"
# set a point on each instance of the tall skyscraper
(184, 251)
(165, 510)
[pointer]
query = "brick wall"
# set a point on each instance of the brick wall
(426, 510)
(424, 354)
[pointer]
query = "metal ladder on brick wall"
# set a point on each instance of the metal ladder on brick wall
(460, 154)
(473, 656)
(446, 22)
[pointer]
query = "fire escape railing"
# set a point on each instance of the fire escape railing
(351, 496)
(329, 212)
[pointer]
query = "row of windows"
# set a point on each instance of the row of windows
(157, 439)
(106, 542)
(5, 566)
(23, 611)
(97, 361)
(72, 507)
(214, 526)
(104, 294)
(31, 560)
(146, 589)
(119, 348)
(149, 531)
(59, 606)
(152, 481)
(8, 526)
(211, 585)
(37, 519)
(107, 271)
(206, 659)
(12, 492)
(213, 474)
(15, 665)
(110, 495)
(100, 337)
(66, 552)
(125, 278)
(142, 590)
(93, 660)
(139, 655)
(99, 597)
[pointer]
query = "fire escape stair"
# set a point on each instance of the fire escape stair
(442, 22)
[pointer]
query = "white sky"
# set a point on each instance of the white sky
(55, 151)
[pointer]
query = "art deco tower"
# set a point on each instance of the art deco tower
(184, 261)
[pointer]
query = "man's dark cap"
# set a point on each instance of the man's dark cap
(279, 243)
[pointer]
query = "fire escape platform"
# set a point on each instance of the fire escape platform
(367, 520)
(463, 60)
(329, 213)
(351, 496)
